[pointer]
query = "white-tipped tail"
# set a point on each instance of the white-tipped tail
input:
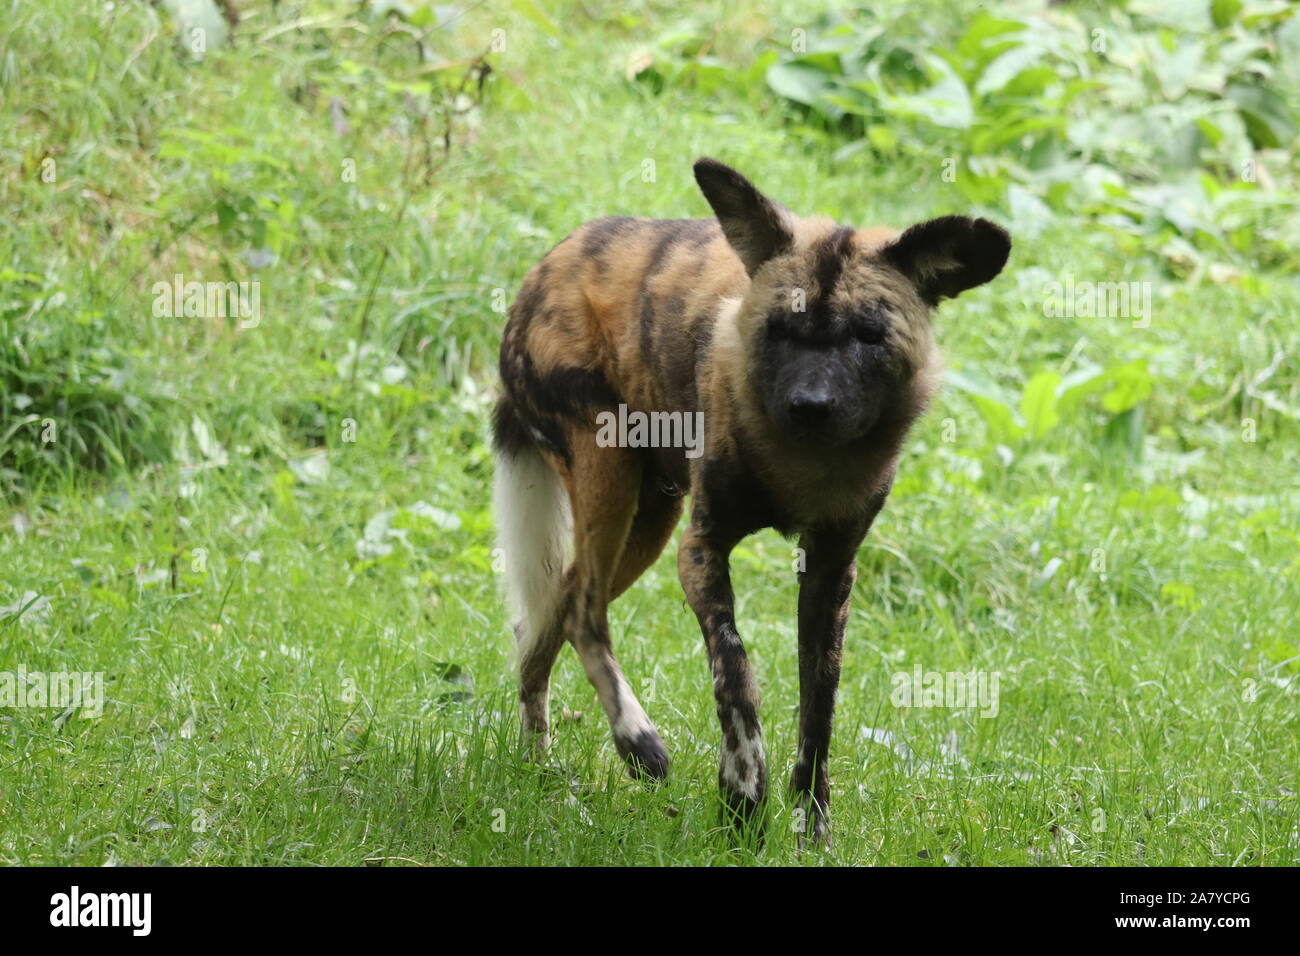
(533, 530)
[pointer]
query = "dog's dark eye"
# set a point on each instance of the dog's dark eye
(868, 325)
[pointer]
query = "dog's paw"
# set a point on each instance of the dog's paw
(644, 754)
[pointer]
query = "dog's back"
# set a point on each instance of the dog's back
(620, 311)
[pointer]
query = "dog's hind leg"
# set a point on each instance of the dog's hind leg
(604, 486)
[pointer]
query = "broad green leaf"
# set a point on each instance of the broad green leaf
(803, 84)
(947, 103)
(827, 62)
(1006, 67)
(1270, 122)
(992, 401)
(1132, 387)
(1224, 12)
(1038, 404)
(986, 37)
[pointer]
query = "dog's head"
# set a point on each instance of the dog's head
(835, 326)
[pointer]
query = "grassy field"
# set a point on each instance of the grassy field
(273, 540)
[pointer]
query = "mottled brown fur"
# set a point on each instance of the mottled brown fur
(682, 316)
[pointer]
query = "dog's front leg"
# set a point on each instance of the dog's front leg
(824, 588)
(702, 565)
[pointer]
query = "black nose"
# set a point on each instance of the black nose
(811, 406)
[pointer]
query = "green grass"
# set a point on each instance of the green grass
(292, 682)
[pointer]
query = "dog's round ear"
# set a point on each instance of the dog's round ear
(946, 256)
(756, 227)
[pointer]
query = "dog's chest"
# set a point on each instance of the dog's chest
(748, 493)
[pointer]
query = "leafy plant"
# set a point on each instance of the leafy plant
(1145, 116)
(1049, 397)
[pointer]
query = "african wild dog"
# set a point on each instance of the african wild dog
(806, 346)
